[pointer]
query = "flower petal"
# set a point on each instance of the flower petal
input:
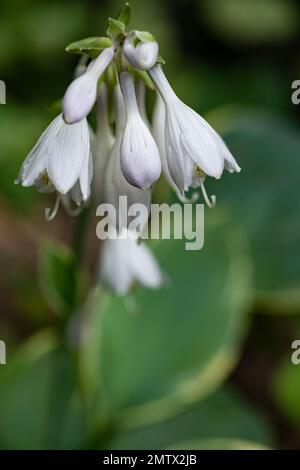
(140, 160)
(67, 152)
(36, 162)
(81, 94)
(114, 271)
(144, 266)
(86, 177)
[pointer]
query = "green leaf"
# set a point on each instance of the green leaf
(38, 407)
(91, 46)
(125, 14)
(182, 341)
(61, 282)
(262, 198)
(223, 415)
(160, 60)
(115, 28)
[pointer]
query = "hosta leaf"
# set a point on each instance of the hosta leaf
(219, 444)
(115, 28)
(182, 341)
(61, 282)
(221, 417)
(38, 406)
(263, 198)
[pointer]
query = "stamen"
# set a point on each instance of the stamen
(199, 172)
(49, 215)
(46, 179)
(67, 206)
(211, 203)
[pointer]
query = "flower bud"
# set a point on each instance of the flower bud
(142, 56)
(104, 141)
(193, 148)
(115, 185)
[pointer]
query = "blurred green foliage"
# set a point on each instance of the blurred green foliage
(264, 202)
(251, 21)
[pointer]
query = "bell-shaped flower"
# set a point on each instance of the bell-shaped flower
(124, 261)
(115, 185)
(141, 55)
(104, 140)
(81, 94)
(76, 194)
(140, 91)
(158, 131)
(140, 160)
(59, 159)
(193, 149)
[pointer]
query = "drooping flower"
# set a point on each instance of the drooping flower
(140, 91)
(124, 261)
(140, 160)
(158, 131)
(193, 149)
(81, 94)
(60, 159)
(115, 184)
(75, 194)
(142, 55)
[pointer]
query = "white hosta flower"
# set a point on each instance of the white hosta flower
(125, 261)
(193, 148)
(140, 160)
(158, 130)
(81, 94)
(59, 159)
(142, 55)
(115, 185)
(104, 141)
